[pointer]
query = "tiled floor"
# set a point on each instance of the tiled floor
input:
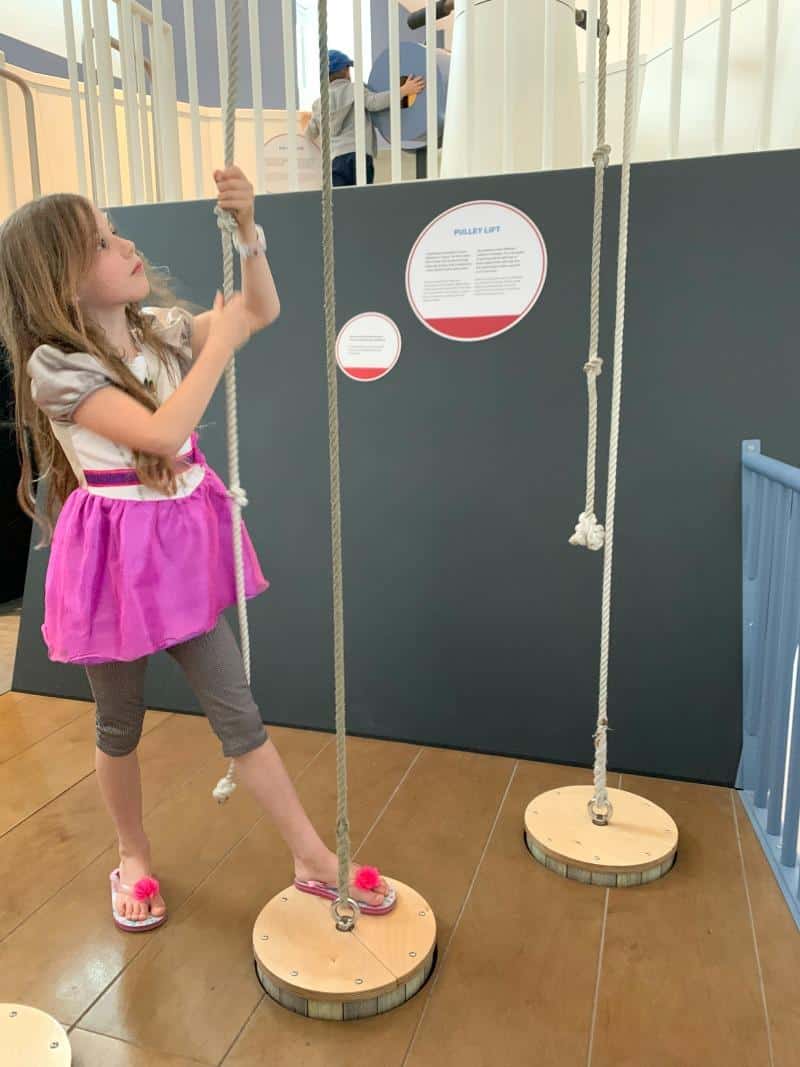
(700, 968)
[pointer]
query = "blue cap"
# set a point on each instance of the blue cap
(338, 61)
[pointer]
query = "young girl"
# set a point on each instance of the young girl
(108, 394)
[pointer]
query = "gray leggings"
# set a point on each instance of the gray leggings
(213, 667)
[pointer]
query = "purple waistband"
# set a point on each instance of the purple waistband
(128, 476)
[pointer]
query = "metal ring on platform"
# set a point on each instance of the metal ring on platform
(345, 924)
(600, 818)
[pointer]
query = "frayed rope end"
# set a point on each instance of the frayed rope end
(224, 789)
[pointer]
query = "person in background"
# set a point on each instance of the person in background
(343, 124)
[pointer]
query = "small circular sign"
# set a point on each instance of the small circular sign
(368, 346)
(276, 159)
(476, 270)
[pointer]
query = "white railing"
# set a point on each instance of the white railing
(723, 71)
(676, 79)
(290, 88)
(715, 76)
(149, 119)
(8, 77)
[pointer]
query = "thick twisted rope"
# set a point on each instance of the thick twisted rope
(599, 805)
(227, 224)
(588, 531)
(329, 289)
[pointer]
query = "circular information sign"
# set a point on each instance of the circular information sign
(476, 270)
(368, 346)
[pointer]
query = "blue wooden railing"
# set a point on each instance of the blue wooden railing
(769, 772)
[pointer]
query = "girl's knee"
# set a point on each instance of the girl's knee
(119, 705)
(116, 746)
(116, 738)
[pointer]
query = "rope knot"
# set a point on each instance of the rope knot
(589, 533)
(593, 365)
(226, 221)
(601, 154)
(237, 494)
(602, 729)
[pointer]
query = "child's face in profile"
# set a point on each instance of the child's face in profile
(116, 276)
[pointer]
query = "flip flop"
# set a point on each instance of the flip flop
(367, 878)
(144, 889)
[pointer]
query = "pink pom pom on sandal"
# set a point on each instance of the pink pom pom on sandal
(367, 879)
(144, 889)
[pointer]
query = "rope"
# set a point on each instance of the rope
(588, 531)
(599, 805)
(227, 225)
(329, 288)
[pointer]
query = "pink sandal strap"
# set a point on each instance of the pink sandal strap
(144, 889)
(366, 878)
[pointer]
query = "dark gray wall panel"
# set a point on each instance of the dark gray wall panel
(469, 620)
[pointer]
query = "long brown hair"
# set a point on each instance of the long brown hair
(45, 248)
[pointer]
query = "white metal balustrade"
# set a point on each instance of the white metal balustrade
(720, 82)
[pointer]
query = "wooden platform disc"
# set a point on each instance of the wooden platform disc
(638, 846)
(308, 966)
(29, 1036)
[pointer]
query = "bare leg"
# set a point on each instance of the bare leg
(120, 784)
(214, 669)
(262, 770)
(118, 690)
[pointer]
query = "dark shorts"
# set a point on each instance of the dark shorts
(343, 169)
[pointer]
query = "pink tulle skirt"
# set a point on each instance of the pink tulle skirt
(130, 577)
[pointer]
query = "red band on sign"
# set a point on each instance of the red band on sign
(366, 374)
(478, 326)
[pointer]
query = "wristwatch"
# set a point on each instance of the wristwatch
(246, 251)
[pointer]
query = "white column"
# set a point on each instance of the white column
(394, 88)
(290, 87)
(194, 96)
(258, 96)
(5, 142)
(144, 121)
(93, 121)
(222, 52)
(590, 82)
(128, 62)
(156, 81)
(469, 61)
(167, 150)
(723, 63)
(358, 90)
(768, 83)
(508, 91)
(174, 190)
(676, 76)
(549, 93)
(432, 90)
(75, 97)
(108, 111)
